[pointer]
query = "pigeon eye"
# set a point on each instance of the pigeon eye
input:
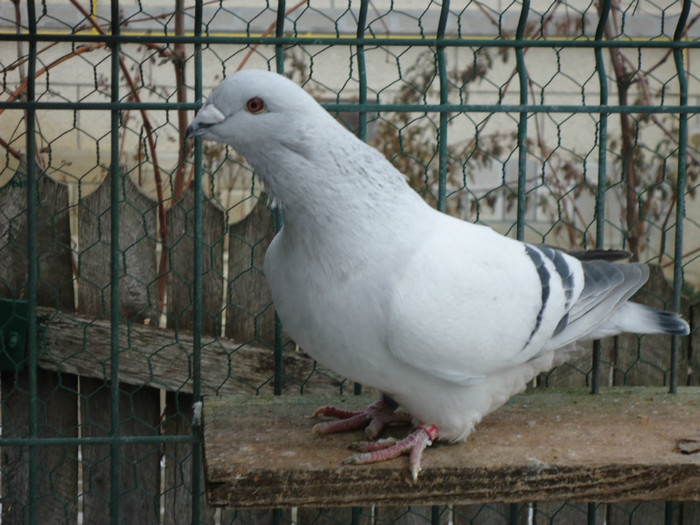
(255, 105)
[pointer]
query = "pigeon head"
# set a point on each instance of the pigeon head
(256, 111)
(295, 146)
(305, 157)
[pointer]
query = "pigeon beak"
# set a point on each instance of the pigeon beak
(195, 130)
(207, 117)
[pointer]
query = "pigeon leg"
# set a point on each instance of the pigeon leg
(373, 418)
(413, 444)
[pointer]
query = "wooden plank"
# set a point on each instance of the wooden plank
(250, 316)
(335, 516)
(489, 514)
(56, 392)
(407, 515)
(547, 445)
(180, 245)
(178, 498)
(139, 406)
(162, 359)
(139, 480)
(58, 466)
(177, 502)
(638, 513)
(177, 487)
(561, 512)
(137, 233)
(55, 284)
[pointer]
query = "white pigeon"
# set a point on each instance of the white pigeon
(449, 319)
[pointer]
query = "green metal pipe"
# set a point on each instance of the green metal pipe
(522, 156)
(96, 440)
(680, 190)
(278, 358)
(435, 510)
(114, 258)
(362, 70)
(421, 41)
(197, 285)
(435, 515)
(522, 124)
(279, 32)
(362, 115)
(378, 108)
(442, 130)
(602, 171)
(590, 514)
(32, 269)
(668, 513)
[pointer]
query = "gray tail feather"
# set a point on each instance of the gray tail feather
(600, 255)
(672, 323)
(637, 318)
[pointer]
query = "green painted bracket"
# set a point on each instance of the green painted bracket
(13, 334)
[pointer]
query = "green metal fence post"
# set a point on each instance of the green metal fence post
(362, 71)
(602, 169)
(362, 119)
(680, 187)
(514, 508)
(115, 253)
(32, 266)
(356, 512)
(278, 372)
(444, 84)
(197, 284)
(522, 121)
(442, 143)
(279, 32)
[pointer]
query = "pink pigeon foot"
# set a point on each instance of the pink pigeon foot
(373, 418)
(413, 444)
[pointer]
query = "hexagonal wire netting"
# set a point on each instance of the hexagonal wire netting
(130, 253)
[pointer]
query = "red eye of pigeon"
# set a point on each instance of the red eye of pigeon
(255, 105)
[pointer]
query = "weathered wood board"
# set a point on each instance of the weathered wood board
(548, 445)
(163, 359)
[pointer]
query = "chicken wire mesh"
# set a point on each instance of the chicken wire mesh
(132, 259)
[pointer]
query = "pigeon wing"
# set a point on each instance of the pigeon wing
(470, 302)
(606, 288)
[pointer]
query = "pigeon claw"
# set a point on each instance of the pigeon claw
(370, 446)
(372, 419)
(351, 421)
(413, 444)
(336, 412)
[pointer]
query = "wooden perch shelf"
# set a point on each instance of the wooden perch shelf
(548, 445)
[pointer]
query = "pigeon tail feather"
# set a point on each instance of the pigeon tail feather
(641, 319)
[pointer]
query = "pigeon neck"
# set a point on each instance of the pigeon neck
(333, 181)
(360, 197)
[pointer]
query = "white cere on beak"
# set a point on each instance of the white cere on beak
(207, 117)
